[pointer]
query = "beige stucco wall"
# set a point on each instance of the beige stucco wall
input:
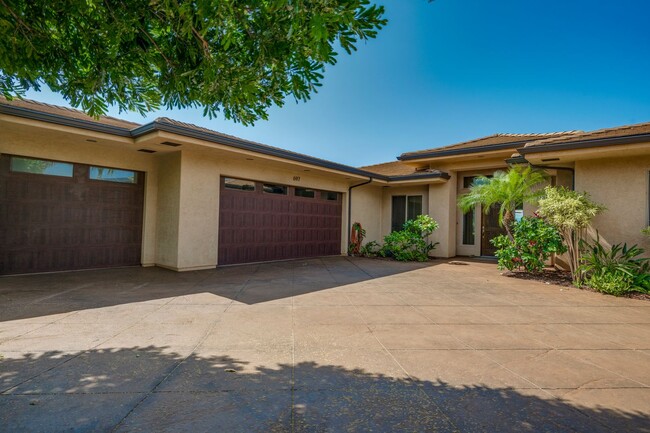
(443, 209)
(167, 225)
(66, 144)
(367, 210)
(621, 184)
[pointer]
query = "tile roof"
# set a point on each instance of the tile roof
(619, 131)
(67, 112)
(395, 168)
(494, 139)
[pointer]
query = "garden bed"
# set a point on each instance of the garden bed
(563, 279)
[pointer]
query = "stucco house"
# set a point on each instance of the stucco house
(78, 192)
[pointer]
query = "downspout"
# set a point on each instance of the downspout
(350, 209)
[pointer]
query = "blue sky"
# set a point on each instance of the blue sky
(454, 70)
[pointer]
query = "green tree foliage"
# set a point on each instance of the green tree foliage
(411, 243)
(571, 213)
(238, 57)
(507, 190)
(533, 242)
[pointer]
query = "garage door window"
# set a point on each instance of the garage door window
(305, 192)
(329, 195)
(112, 175)
(40, 166)
(240, 184)
(275, 189)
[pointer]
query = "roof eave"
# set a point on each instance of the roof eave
(57, 119)
(585, 144)
(463, 151)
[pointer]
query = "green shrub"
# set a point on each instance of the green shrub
(410, 243)
(533, 242)
(571, 213)
(371, 249)
(617, 270)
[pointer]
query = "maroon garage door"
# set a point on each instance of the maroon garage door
(261, 221)
(57, 216)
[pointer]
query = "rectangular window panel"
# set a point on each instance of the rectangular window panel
(274, 189)
(414, 208)
(398, 212)
(240, 184)
(41, 166)
(468, 181)
(113, 175)
(468, 228)
(304, 192)
(329, 195)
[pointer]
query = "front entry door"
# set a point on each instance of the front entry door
(490, 229)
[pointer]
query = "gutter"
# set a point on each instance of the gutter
(350, 209)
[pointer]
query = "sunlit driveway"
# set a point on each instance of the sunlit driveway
(323, 345)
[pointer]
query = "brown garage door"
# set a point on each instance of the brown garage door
(261, 221)
(58, 216)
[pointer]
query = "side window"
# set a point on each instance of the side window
(468, 228)
(405, 208)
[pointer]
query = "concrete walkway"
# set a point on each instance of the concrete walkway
(323, 345)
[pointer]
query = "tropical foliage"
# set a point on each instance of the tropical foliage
(238, 57)
(571, 212)
(357, 234)
(411, 243)
(533, 242)
(507, 190)
(617, 270)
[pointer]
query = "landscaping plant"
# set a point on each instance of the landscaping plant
(571, 213)
(411, 243)
(533, 241)
(507, 190)
(617, 270)
(357, 233)
(371, 249)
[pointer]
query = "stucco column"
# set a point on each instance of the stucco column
(442, 208)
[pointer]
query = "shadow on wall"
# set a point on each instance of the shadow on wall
(154, 389)
(28, 296)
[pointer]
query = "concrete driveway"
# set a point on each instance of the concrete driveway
(323, 345)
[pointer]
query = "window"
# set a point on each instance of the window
(41, 166)
(468, 181)
(274, 189)
(304, 192)
(240, 184)
(112, 175)
(329, 195)
(468, 228)
(405, 208)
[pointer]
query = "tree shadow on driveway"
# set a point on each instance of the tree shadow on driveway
(155, 389)
(28, 296)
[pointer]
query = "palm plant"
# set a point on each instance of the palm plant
(506, 189)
